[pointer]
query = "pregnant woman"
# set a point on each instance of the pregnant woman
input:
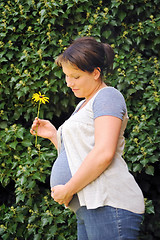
(90, 176)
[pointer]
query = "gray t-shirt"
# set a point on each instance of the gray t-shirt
(109, 101)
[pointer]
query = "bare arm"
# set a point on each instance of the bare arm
(107, 129)
(44, 129)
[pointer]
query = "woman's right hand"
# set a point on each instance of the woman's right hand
(44, 129)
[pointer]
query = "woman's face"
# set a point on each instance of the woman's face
(83, 84)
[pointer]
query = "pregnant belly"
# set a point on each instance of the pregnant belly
(60, 173)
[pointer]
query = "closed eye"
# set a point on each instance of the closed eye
(72, 76)
(76, 77)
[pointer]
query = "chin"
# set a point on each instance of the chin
(78, 95)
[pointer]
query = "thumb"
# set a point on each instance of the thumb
(42, 121)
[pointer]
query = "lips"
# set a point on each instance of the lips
(74, 90)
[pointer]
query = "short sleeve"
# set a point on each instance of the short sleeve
(109, 101)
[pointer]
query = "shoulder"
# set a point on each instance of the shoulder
(109, 101)
(109, 92)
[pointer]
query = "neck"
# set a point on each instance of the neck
(100, 86)
(96, 89)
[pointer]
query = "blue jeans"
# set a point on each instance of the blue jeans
(107, 223)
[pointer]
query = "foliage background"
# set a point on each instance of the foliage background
(32, 34)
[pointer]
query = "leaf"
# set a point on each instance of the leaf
(137, 167)
(3, 59)
(37, 237)
(106, 34)
(3, 124)
(58, 74)
(55, 12)
(20, 197)
(53, 229)
(20, 94)
(14, 79)
(2, 34)
(22, 57)
(31, 184)
(138, 40)
(144, 162)
(44, 221)
(157, 41)
(10, 55)
(149, 206)
(13, 144)
(22, 26)
(131, 91)
(19, 133)
(20, 218)
(26, 143)
(32, 218)
(126, 47)
(149, 170)
(23, 180)
(42, 12)
(122, 15)
(129, 41)
(14, 165)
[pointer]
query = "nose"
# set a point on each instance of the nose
(69, 82)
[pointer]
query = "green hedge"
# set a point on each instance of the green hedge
(32, 34)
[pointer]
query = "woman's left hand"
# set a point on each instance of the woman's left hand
(61, 195)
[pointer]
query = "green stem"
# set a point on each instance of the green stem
(37, 125)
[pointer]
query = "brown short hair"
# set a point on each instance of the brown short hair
(87, 54)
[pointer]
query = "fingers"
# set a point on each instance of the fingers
(56, 200)
(60, 201)
(34, 126)
(33, 132)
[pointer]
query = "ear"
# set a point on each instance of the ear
(97, 73)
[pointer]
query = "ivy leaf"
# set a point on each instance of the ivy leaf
(20, 197)
(44, 221)
(3, 59)
(31, 185)
(23, 180)
(32, 218)
(149, 170)
(20, 218)
(3, 124)
(122, 15)
(43, 13)
(37, 237)
(137, 167)
(13, 144)
(22, 26)
(149, 206)
(10, 55)
(106, 34)
(26, 143)
(19, 133)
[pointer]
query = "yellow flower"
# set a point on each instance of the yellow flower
(38, 97)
